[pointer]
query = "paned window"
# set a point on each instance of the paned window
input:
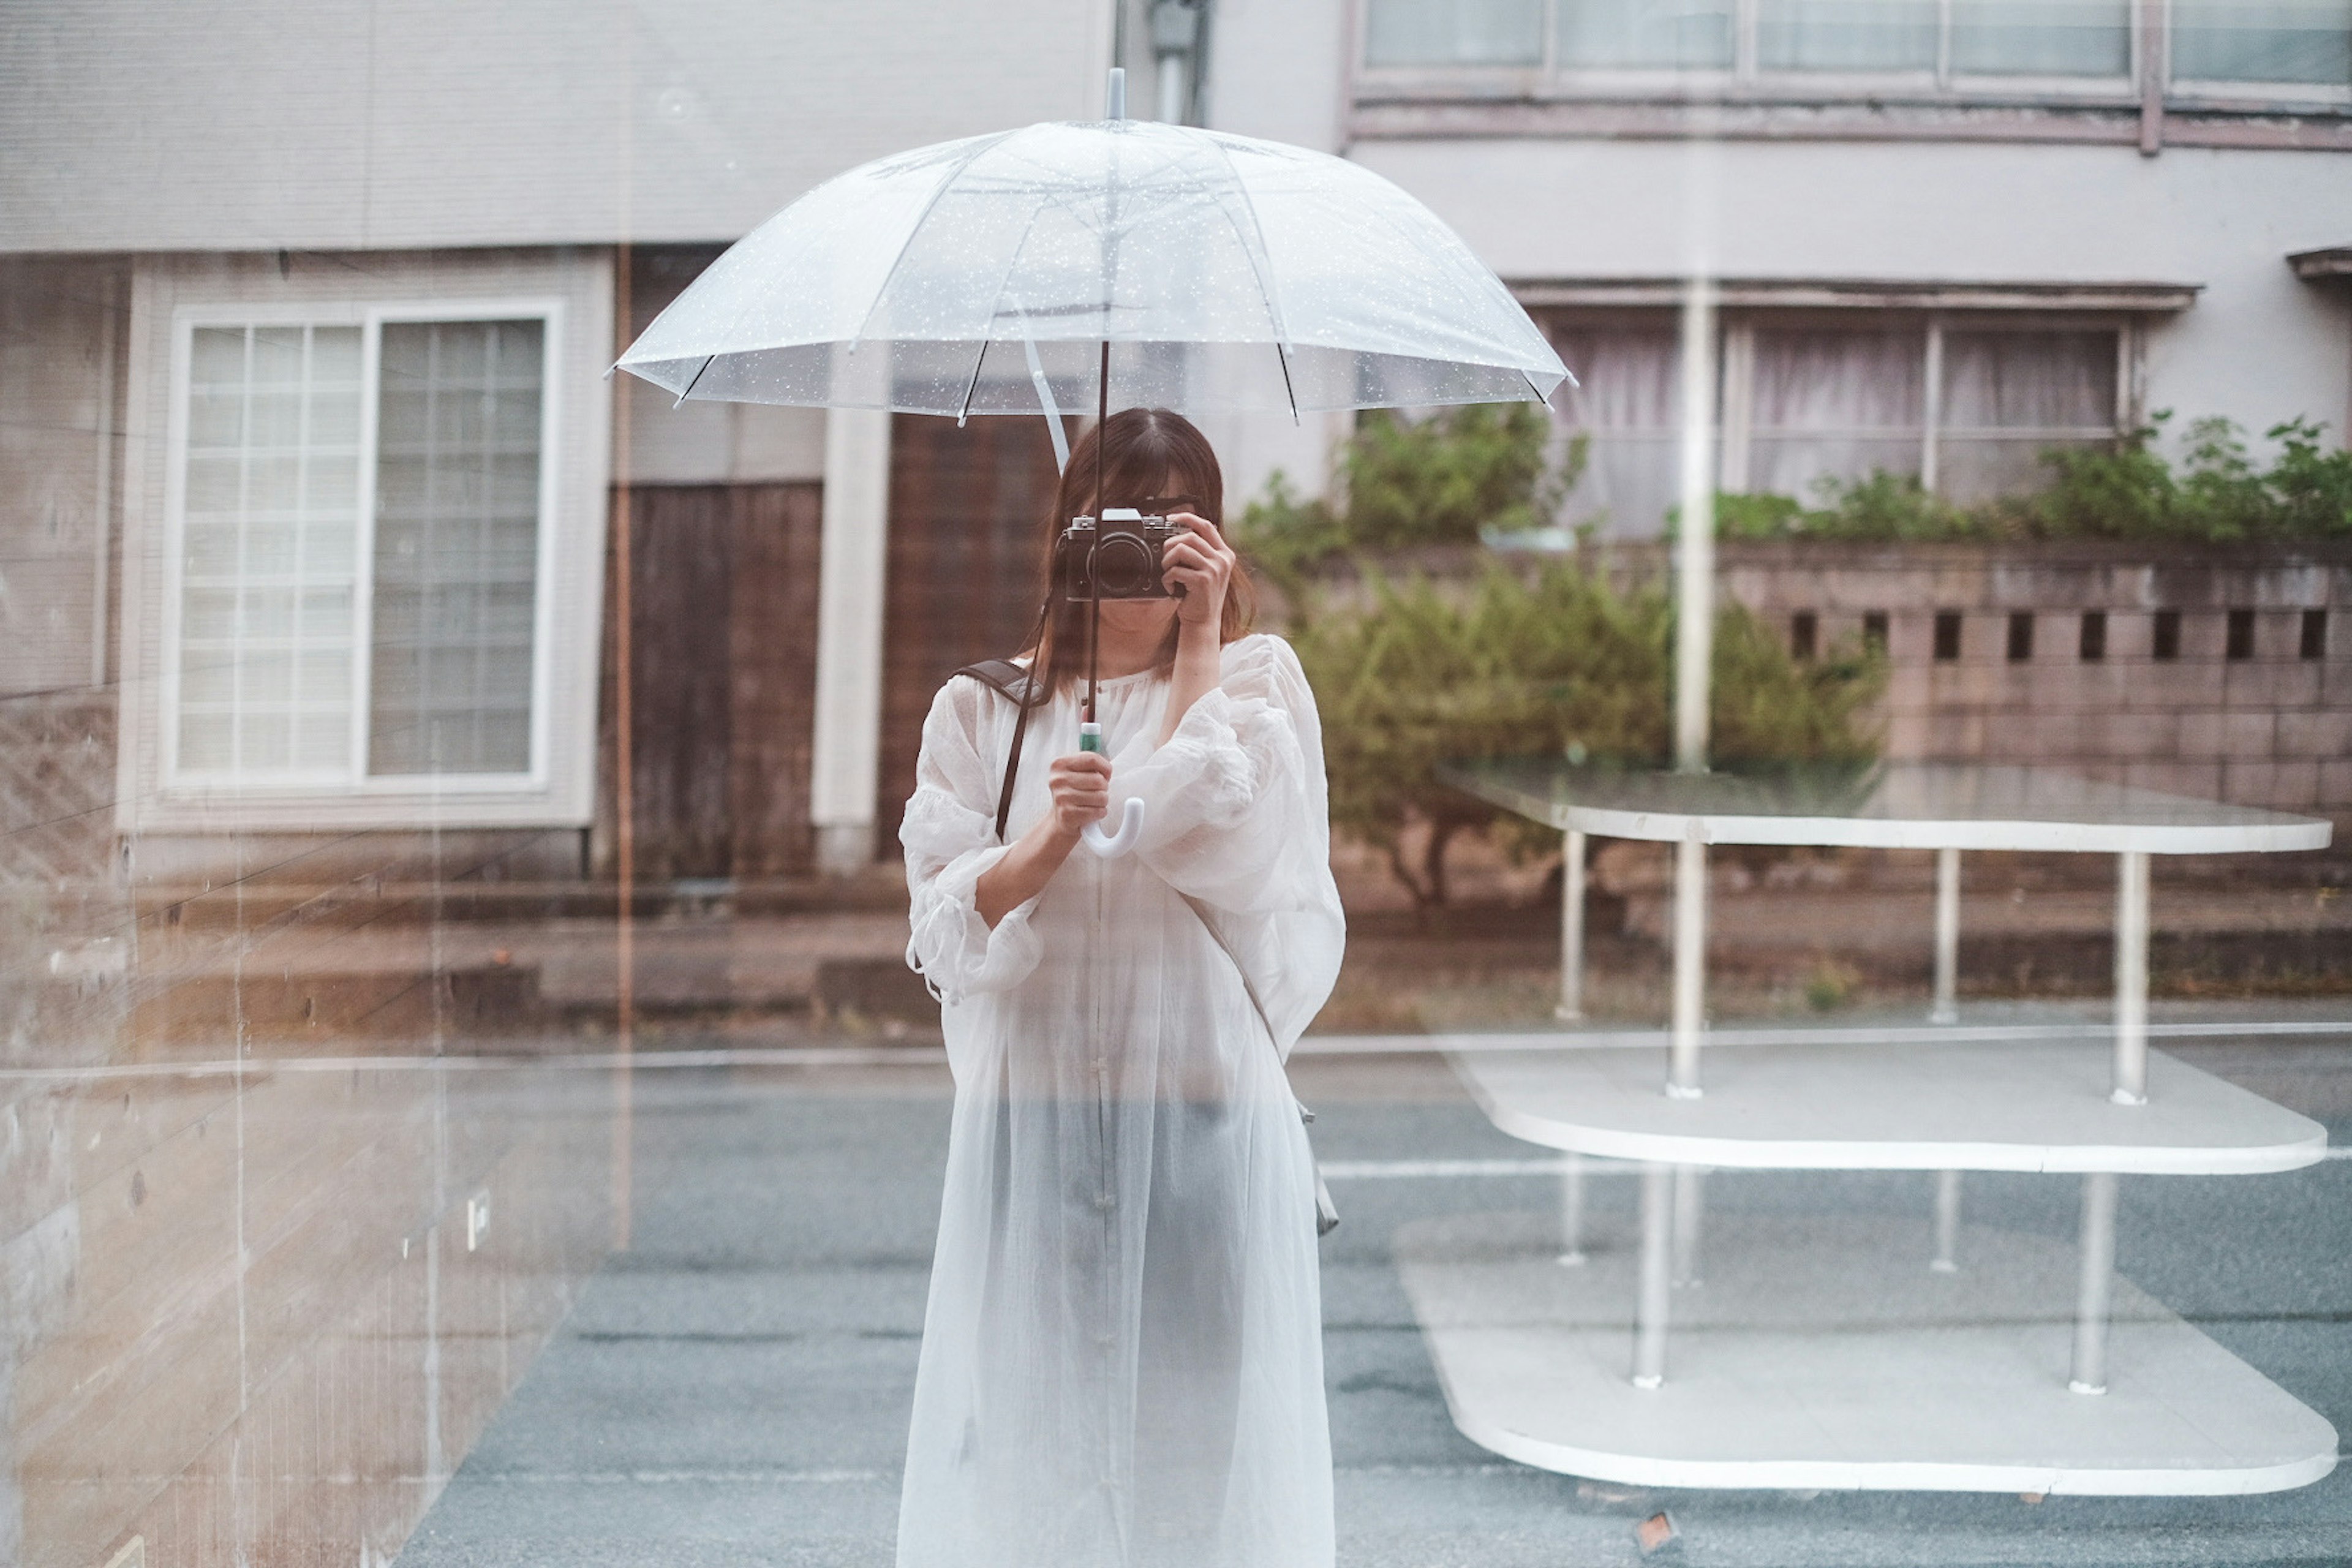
(1966, 407)
(1625, 405)
(360, 535)
(1647, 34)
(2300, 41)
(1846, 35)
(1946, 42)
(1454, 32)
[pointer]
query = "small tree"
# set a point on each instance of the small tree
(1540, 666)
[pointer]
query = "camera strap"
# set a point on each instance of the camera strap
(1010, 681)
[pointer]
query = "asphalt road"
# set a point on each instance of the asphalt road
(734, 1389)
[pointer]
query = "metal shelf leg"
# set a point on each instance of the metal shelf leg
(1946, 1009)
(2094, 1291)
(1947, 1223)
(1690, 1207)
(1571, 1213)
(2131, 978)
(1690, 967)
(1571, 928)
(1657, 1289)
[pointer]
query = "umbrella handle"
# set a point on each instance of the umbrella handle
(1110, 846)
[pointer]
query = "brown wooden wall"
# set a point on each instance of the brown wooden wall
(722, 661)
(968, 522)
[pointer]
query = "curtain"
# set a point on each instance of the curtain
(1690, 34)
(1626, 404)
(1454, 33)
(2042, 37)
(1835, 403)
(1846, 35)
(456, 547)
(2262, 40)
(2009, 397)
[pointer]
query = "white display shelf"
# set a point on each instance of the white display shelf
(1998, 1105)
(1822, 1352)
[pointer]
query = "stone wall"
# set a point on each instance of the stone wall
(2221, 674)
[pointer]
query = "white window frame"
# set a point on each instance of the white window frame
(1736, 370)
(371, 317)
(1745, 80)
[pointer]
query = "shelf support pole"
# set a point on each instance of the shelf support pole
(1690, 1206)
(1656, 1275)
(1946, 1009)
(1572, 927)
(1690, 966)
(2131, 979)
(2095, 1289)
(1571, 1212)
(1947, 1223)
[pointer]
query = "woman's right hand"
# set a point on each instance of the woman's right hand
(1080, 785)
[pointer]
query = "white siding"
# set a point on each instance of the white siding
(334, 124)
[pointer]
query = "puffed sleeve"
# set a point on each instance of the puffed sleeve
(950, 836)
(1233, 817)
(1238, 819)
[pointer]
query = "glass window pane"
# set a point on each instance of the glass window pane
(1625, 405)
(456, 547)
(1835, 403)
(1845, 35)
(1691, 35)
(2262, 40)
(1454, 33)
(2010, 396)
(271, 515)
(2055, 38)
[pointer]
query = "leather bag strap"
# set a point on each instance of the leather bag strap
(1012, 682)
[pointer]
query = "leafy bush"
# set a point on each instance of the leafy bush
(1542, 665)
(1409, 483)
(2129, 491)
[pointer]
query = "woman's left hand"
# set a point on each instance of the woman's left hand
(1201, 564)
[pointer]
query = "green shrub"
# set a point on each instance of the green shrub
(1409, 483)
(1554, 663)
(2130, 490)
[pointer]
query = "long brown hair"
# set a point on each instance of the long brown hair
(1150, 458)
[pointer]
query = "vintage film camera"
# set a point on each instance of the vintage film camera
(1121, 555)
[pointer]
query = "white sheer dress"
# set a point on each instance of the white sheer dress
(1122, 1356)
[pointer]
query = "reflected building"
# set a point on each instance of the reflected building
(346, 609)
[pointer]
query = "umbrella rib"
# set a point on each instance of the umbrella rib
(970, 386)
(949, 178)
(1265, 285)
(695, 383)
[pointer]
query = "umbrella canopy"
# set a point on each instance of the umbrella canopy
(984, 276)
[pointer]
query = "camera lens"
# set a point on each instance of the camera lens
(1125, 568)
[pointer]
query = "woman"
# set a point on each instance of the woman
(1122, 1356)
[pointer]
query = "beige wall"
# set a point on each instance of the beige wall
(61, 339)
(2273, 729)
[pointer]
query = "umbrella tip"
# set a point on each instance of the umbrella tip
(1115, 103)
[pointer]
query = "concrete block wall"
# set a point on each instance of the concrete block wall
(2266, 722)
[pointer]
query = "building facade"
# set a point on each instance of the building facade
(325, 533)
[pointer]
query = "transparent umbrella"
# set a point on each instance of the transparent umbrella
(1001, 274)
(1028, 271)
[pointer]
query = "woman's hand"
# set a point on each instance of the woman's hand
(1198, 561)
(1080, 785)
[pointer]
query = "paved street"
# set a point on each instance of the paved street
(734, 1389)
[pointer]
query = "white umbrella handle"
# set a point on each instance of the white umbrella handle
(1111, 846)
